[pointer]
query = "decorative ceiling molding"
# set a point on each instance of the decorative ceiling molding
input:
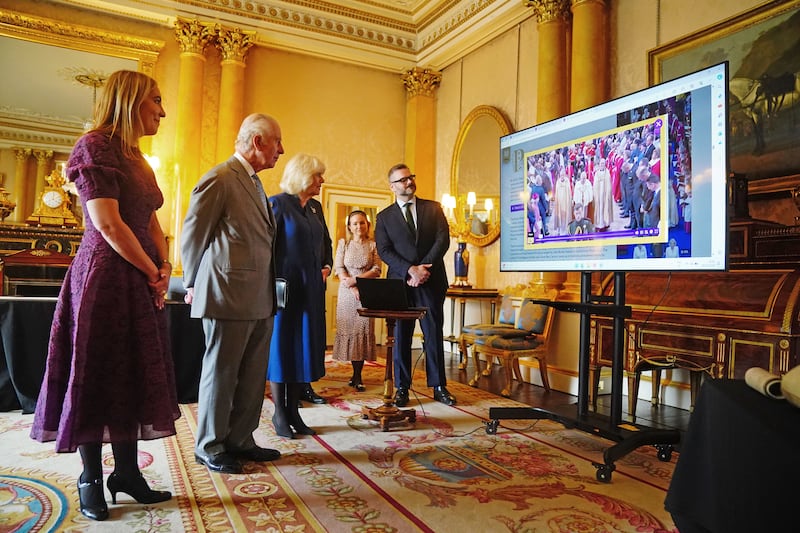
(30, 129)
(384, 34)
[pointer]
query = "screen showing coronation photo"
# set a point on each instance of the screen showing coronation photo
(637, 183)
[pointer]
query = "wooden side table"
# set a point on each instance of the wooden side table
(462, 294)
(389, 413)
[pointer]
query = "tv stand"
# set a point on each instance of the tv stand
(628, 437)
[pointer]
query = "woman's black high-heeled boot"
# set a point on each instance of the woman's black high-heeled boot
(128, 479)
(293, 392)
(90, 493)
(92, 499)
(137, 488)
(280, 420)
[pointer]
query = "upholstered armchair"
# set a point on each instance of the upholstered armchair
(536, 321)
(505, 325)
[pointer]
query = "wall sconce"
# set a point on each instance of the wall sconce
(469, 225)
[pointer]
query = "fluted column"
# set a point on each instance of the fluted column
(590, 63)
(553, 89)
(24, 188)
(553, 17)
(43, 158)
(420, 154)
(233, 44)
(193, 37)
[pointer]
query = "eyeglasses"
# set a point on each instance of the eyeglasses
(406, 179)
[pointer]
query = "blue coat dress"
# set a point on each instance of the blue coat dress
(297, 350)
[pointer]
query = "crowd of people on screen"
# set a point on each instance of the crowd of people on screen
(613, 182)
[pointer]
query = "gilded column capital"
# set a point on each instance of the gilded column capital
(233, 44)
(550, 10)
(21, 154)
(42, 156)
(421, 81)
(193, 36)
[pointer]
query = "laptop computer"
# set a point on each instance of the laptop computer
(383, 293)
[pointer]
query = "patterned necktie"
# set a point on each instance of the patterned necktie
(260, 190)
(410, 218)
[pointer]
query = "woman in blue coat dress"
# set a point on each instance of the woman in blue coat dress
(297, 350)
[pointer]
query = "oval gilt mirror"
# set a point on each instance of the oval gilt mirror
(476, 169)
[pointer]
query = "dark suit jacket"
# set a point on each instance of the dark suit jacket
(398, 248)
(652, 217)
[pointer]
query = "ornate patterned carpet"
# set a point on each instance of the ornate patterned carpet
(444, 473)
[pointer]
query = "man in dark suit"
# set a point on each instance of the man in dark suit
(227, 247)
(412, 236)
(652, 209)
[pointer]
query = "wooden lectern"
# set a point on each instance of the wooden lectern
(389, 412)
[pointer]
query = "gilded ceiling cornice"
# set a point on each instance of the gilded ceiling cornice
(342, 27)
(447, 18)
(33, 28)
(455, 21)
(357, 14)
(440, 9)
(374, 33)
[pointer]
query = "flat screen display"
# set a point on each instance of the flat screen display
(636, 183)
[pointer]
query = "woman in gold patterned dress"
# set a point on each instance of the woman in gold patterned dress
(356, 257)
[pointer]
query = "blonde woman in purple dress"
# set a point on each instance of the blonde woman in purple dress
(109, 375)
(356, 257)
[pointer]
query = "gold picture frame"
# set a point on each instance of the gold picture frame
(471, 169)
(762, 47)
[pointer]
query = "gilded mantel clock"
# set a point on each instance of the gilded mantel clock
(53, 208)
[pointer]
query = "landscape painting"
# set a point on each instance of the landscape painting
(762, 47)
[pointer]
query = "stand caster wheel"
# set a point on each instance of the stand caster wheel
(604, 472)
(491, 427)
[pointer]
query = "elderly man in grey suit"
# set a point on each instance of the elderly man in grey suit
(227, 253)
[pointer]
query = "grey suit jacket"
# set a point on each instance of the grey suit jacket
(227, 246)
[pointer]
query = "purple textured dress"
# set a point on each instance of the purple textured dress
(109, 375)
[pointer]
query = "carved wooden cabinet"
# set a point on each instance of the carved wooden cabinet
(718, 323)
(16, 237)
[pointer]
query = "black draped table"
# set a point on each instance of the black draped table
(739, 466)
(25, 331)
